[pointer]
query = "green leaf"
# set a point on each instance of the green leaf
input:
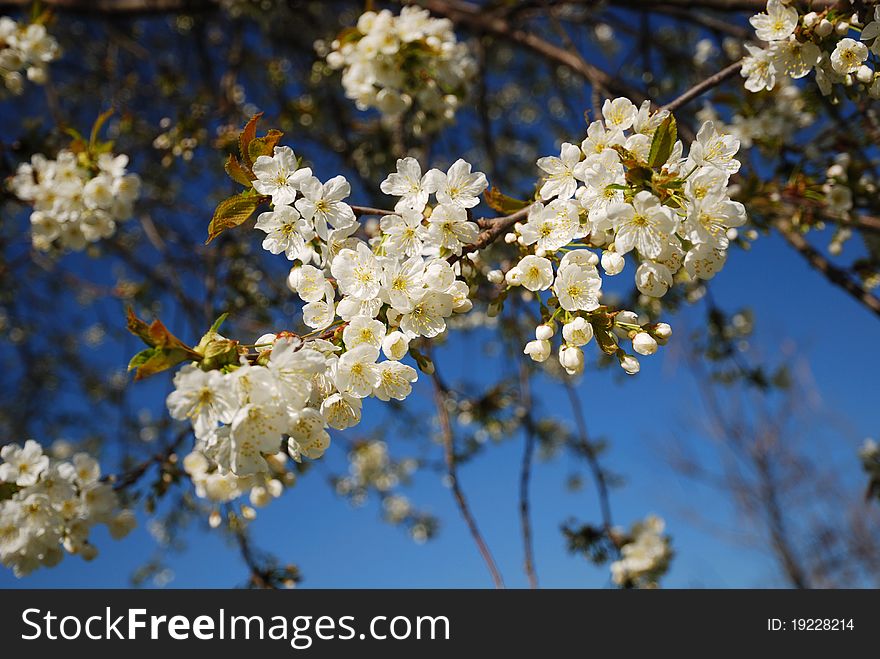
(605, 339)
(217, 323)
(96, 127)
(155, 360)
(237, 172)
(664, 140)
(264, 146)
(247, 135)
(232, 212)
(502, 203)
(165, 350)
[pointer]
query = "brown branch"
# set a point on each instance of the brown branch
(525, 477)
(440, 397)
(702, 87)
(836, 275)
(477, 19)
(493, 228)
(367, 210)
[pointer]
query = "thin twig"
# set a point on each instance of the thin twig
(702, 87)
(525, 477)
(440, 397)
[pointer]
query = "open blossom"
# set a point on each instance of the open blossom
(577, 287)
(458, 186)
(286, 232)
(778, 23)
(552, 226)
(759, 69)
(619, 113)
(278, 176)
(644, 557)
(537, 272)
(644, 225)
(709, 219)
(560, 180)
(449, 228)
(848, 56)
(357, 272)
(28, 49)
(404, 233)
(715, 149)
(408, 184)
(322, 205)
(52, 507)
(203, 397)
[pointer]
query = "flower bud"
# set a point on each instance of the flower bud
(510, 238)
(644, 344)
(612, 263)
(841, 28)
(809, 20)
(662, 331)
(824, 28)
(572, 359)
(628, 363)
(495, 276)
(265, 342)
(865, 74)
(539, 351)
(395, 345)
(260, 496)
(578, 332)
(544, 332)
(513, 277)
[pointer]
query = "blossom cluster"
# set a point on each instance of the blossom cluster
(362, 300)
(770, 122)
(25, 48)
(644, 555)
(76, 200)
(619, 192)
(47, 504)
(405, 63)
(869, 453)
(837, 46)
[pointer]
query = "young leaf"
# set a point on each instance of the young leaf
(233, 211)
(502, 203)
(155, 360)
(264, 146)
(664, 140)
(165, 350)
(96, 127)
(247, 135)
(237, 172)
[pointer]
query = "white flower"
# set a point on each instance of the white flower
(204, 397)
(323, 205)
(848, 56)
(457, 186)
(449, 228)
(619, 113)
(577, 288)
(394, 380)
(777, 24)
(23, 466)
(292, 365)
(758, 69)
(356, 371)
(408, 184)
(403, 282)
(612, 263)
(318, 315)
(571, 358)
(363, 329)
(560, 181)
(644, 344)
(599, 139)
(357, 272)
(307, 435)
(285, 231)
(341, 411)
(645, 225)
(308, 282)
(704, 260)
(795, 58)
(653, 279)
(714, 148)
(278, 176)
(428, 314)
(395, 345)
(602, 176)
(538, 350)
(537, 273)
(578, 332)
(709, 219)
(551, 227)
(404, 233)
(256, 430)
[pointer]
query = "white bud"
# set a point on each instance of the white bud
(495, 276)
(841, 28)
(628, 363)
(731, 234)
(836, 171)
(88, 552)
(572, 359)
(513, 277)
(293, 279)
(824, 28)
(541, 252)
(865, 74)
(662, 331)
(510, 238)
(260, 496)
(612, 263)
(539, 351)
(544, 332)
(395, 345)
(578, 332)
(644, 344)
(265, 342)
(809, 20)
